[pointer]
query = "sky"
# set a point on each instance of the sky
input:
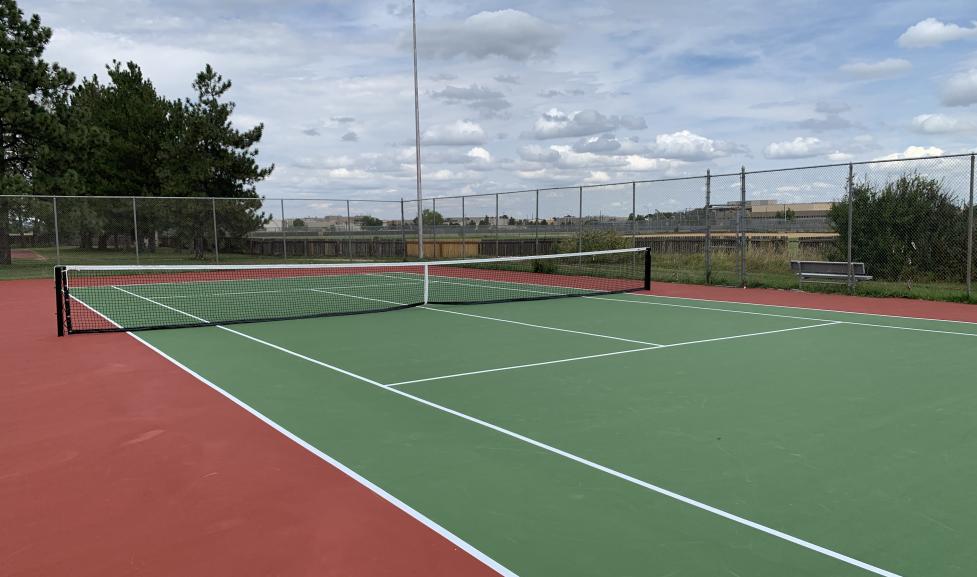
(545, 93)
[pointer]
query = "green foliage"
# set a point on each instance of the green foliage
(431, 217)
(298, 223)
(908, 229)
(31, 90)
(367, 221)
(593, 240)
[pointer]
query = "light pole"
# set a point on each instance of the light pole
(417, 137)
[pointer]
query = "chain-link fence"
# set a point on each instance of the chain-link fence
(909, 222)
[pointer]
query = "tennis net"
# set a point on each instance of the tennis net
(130, 298)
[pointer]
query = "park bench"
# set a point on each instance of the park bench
(827, 271)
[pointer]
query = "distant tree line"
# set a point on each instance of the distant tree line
(119, 137)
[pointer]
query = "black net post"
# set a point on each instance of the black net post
(648, 269)
(970, 232)
(59, 304)
(708, 243)
(851, 212)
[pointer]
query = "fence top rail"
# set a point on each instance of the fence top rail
(200, 198)
(701, 177)
(712, 175)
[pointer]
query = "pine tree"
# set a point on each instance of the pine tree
(30, 92)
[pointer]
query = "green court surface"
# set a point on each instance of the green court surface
(631, 434)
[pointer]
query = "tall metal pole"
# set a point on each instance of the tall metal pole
(213, 212)
(57, 234)
(741, 222)
(708, 208)
(496, 225)
(284, 240)
(970, 232)
(851, 213)
(536, 226)
(349, 233)
(403, 230)
(135, 228)
(434, 227)
(417, 135)
(464, 223)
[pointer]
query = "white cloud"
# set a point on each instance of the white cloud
(345, 173)
(480, 154)
(557, 124)
(941, 124)
(638, 163)
(961, 89)
(879, 69)
(511, 34)
(914, 152)
(838, 156)
(800, 147)
(597, 177)
(932, 32)
(460, 132)
(686, 145)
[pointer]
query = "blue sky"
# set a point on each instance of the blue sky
(541, 93)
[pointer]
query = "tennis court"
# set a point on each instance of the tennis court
(616, 433)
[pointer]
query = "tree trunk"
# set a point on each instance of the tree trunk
(103, 241)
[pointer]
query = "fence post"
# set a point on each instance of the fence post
(464, 223)
(135, 228)
(708, 207)
(634, 214)
(970, 232)
(403, 231)
(434, 228)
(580, 221)
(284, 239)
(536, 227)
(740, 224)
(213, 213)
(57, 234)
(349, 233)
(496, 225)
(851, 214)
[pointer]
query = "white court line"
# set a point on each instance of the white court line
(669, 346)
(377, 490)
(544, 327)
(756, 313)
(586, 462)
(654, 296)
